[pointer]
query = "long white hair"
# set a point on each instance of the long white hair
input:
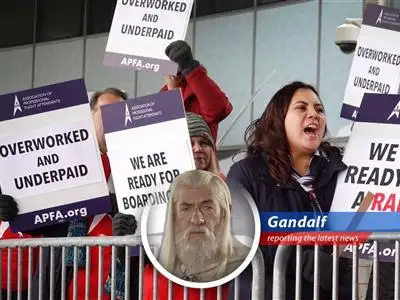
(196, 179)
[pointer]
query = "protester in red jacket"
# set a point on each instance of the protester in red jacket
(6, 234)
(201, 95)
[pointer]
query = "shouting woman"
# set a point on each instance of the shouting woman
(288, 167)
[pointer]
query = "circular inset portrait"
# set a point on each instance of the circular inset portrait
(207, 235)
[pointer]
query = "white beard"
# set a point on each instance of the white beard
(193, 252)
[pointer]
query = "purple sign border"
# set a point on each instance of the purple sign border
(69, 93)
(24, 222)
(376, 16)
(379, 108)
(140, 63)
(347, 111)
(135, 251)
(169, 103)
(381, 247)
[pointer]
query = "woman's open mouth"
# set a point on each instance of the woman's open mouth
(311, 130)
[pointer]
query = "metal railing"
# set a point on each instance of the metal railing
(43, 244)
(284, 251)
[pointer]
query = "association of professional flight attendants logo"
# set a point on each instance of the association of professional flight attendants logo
(128, 117)
(17, 106)
(379, 20)
(396, 111)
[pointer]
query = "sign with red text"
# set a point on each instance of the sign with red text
(372, 157)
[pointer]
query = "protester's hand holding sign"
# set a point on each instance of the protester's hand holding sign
(201, 95)
(123, 224)
(181, 53)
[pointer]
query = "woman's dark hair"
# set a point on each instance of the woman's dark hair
(267, 134)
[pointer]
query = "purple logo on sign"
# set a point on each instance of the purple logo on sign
(128, 117)
(17, 106)
(395, 111)
(379, 20)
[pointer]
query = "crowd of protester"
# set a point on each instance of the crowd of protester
(288, 167)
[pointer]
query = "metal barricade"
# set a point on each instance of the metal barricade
(101, 242)
(282, 257)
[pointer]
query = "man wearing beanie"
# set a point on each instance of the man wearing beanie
(201, 95)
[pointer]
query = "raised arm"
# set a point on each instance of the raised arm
(213, 105)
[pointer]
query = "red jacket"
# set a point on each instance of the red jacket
(177, 290)
(102, 228)
(100, 225)
(201, 95)
(6, 233)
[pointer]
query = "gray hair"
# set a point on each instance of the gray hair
(198, 178)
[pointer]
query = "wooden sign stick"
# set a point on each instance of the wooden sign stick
(365, 204)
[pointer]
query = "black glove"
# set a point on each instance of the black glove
(8, 208)
(181, 53)
(123, 224)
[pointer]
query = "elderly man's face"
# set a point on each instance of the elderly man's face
(197, 219)
(196, 211)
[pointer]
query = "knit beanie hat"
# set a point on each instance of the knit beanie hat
(198, 127)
